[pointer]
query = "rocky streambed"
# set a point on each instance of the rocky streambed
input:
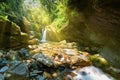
(51, 61)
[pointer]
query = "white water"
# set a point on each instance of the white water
(90, 73)
(43, 35)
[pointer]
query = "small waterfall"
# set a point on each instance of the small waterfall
(43, 35)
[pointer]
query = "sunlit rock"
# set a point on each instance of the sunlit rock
(71, 45)
(63, 42)
(33, 41)
(43, 59)
(71, 51)
(60, 55)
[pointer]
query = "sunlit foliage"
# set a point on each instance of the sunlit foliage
(40, 13)
(47, 13)
(12, 10)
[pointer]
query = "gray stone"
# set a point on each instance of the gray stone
(18, 68)
(43, 59)
(3, 69)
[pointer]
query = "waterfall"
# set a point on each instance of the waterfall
(43, 35)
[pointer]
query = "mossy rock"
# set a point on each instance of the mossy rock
(10, 35)
(99, 61)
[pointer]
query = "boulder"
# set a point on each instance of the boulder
(11, 35)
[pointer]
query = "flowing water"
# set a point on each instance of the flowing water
(91, 73)
(43, 35)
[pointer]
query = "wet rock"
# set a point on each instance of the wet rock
(2, 77)
(34, 75)
(24, 53)
(3, 62)
(39, 77)
(2, 72)
(3, 69)
(18, 68)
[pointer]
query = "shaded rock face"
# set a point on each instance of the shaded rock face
(10, 35)
(100, 25)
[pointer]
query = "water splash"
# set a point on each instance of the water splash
(91, 73)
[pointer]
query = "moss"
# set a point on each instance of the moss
(99, 61)
(4, 17)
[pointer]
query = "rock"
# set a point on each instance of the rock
(3, 69)
(24, 53)
(100, 61)
(12, 55)
(34, 75)
(24, 38)
(71, 45)
(32, 34)
(1, 53)
(18, 68)
(2, 77)
(63, 42)
(53, 54)
(116, 70)
(3, 62)
(43, 59)
(39, 77)
(10, 35)
(33, 41)
(79, 61)
(71, 51)
(26, 25)
(47, 75)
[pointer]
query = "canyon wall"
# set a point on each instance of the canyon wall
(96, 24)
